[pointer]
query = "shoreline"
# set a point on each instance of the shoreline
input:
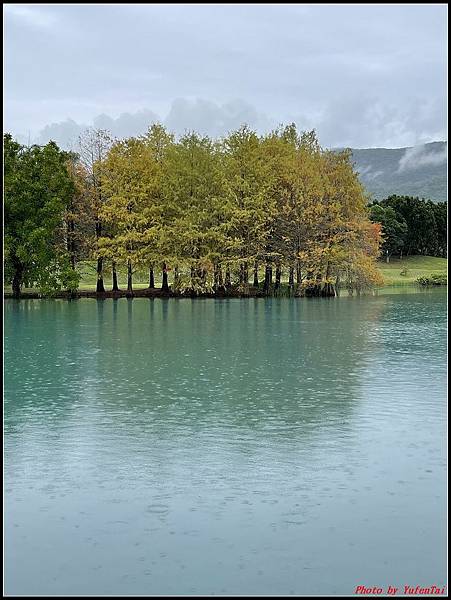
(253, 293)
(146, 293)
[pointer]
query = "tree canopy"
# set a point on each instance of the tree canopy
(411, 225)
(215, 214)
(38, 189)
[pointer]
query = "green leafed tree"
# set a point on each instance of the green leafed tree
(394, 229)
(38, 190)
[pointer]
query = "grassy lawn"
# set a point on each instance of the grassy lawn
(87, 270)
(416, 266)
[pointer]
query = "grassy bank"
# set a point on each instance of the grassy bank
(412, 267)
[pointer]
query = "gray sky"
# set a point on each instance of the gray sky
(362, 76)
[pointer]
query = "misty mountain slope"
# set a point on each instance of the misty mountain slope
(417, 171)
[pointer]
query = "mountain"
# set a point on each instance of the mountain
(416, 171)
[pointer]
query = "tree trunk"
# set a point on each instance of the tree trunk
(298, 273)
(164, 285)
(278, 277)
(268, 278)
(215, 277)
(328, 290)
(176, 278)
(291, 278)
(115, 284)
(17, 280)
(245, 273)
(256, 274)
(151, 278)
(203, 278)
(71, 242)
(228, 279)
(100, 289)
(129, 277)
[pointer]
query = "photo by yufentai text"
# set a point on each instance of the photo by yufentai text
(406, 590)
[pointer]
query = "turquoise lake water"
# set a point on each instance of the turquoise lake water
(257, 446)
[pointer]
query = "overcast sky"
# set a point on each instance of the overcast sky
(362, 76)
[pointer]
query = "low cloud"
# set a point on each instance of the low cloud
(65, 133)
(127, 124)
(215, 120)
(202, 116)
(367, 121)
(370, 176)
(420, 156)
(363, 122)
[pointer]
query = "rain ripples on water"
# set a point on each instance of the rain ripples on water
(224, 446)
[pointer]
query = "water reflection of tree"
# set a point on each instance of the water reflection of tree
(172, 378)
(277, 365)
(284, 367)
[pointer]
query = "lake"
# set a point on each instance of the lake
(254, 446)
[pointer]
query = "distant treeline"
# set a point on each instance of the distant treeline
(219, 216)
(411, 226)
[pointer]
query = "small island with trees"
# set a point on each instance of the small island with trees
(246, 215)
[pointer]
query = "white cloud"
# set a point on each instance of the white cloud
(334, 68)
(419, 156)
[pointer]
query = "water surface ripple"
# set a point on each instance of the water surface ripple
(261, 446)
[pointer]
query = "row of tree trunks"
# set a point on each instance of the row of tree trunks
(220, 284)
